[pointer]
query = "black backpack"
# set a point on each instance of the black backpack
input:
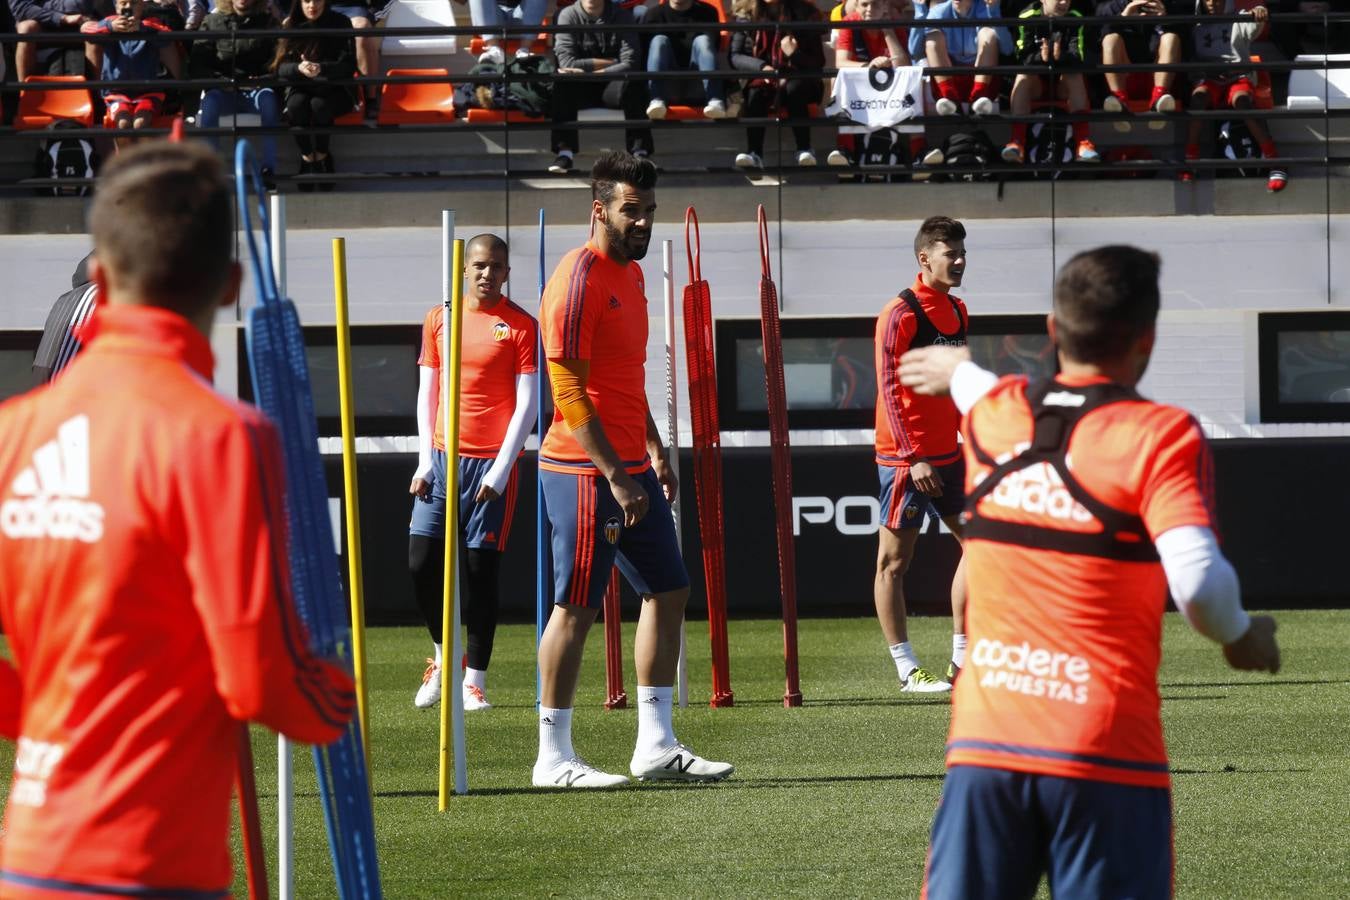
(970, 150)
(1235, 142)
(66, 158)
(1048, 144)
(881, 148)
(530, 86)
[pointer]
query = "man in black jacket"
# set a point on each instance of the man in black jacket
(680, 47)
(244, 60)
(61, 334)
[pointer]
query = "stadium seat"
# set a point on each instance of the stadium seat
(1263, 98)
(427, 102)
(41, 108)
(492, 116)
(420, 14)
(1320, 88)
(357, 114)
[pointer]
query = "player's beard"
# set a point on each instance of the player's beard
(632, 248)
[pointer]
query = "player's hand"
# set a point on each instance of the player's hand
(486, 494)
(880, 62)
(928, 370)
(420, 488)
(1138, 8)
(1255, 651)
(925, 479)
(665, 474)
(632, 499)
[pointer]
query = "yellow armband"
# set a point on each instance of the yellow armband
(569, 391)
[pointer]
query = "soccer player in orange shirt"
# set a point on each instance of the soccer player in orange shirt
(499, 381)
(144, 585)
(608, 485)
(918, 458)
(1086, 504)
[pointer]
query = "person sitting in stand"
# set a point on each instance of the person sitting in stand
(244, 60)
(308, 67)
(974, 46)
(36, 16)
(790, 64)
(1048, 36)
(680, 46)
(874, 48)
(1126, 43)
(134, 58)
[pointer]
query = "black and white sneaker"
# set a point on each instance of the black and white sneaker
(562, 165)
(678, 763)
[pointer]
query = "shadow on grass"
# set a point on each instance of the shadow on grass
(731, 784)
(916, 700)
(1274, 682)
(1234, 770)
(1173, 699)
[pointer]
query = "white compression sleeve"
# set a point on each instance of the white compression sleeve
(969, 384)
(522, 420)
(1203, 583)
(428, 391)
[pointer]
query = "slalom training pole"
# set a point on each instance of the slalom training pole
(615, 695)
(255, 857)
(285, 758)
(673, 443)
(543, 582)
(707, 445)
(452, 678)
(776, 390)
(351, 505)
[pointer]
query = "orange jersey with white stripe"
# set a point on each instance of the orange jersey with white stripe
(1066, 593)
(909, 425)
(595, 309)
(144, 589)
(499, 344)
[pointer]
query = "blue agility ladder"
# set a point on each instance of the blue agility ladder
(276, 359)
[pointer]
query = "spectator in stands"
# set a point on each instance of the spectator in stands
(308, 67)
(1229, 87)
(876, 48)
(36, 16)
(247, 62)
(367, 48)
(790, 65)
(610, 46)
(1126, 43)
(974, 46)
(1048, 36)
(681, 47)
(136, 57)
(501, 13)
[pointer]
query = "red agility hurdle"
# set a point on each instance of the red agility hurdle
(781, 452)
(615, 696)
(698, 345)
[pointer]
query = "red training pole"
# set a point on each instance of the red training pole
(615, 696)
(781, 452)
(255, 858)
(707, 449)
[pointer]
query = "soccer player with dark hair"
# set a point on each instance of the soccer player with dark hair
(499, 381)
(144, 585)
(608, 484)
(66, 321)
(1087, 504)
(918, 458)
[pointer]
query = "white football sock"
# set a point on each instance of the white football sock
(438, 652)
(475, 677)
(959, 650)
(555, 736)
(905, 661)
(655, 731)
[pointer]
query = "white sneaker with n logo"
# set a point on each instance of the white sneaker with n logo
(678, 763)
(49, 499)
(574, 773)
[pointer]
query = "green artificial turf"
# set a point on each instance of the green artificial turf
(833, 799)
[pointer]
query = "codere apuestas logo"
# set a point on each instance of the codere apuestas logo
(50, 497)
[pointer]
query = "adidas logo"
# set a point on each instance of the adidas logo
(50, 496)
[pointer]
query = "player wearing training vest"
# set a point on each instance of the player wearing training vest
(144, 586)
(918, 458)
(608, 485)
(499, 381)
(1086, 504)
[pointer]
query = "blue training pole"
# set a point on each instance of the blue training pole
(543, 570)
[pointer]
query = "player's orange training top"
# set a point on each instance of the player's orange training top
(498, 344)
(144, 589)
(1064, 616)
(596, 309)
(911, 426)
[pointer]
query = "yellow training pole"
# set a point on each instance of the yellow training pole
(352, 507)
(452, 705)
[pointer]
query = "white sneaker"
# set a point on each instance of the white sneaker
(806, 158)
(749, 161)
(474, 698)
(984, 106)
(575, 773)
(657, 109)
(678, 763)
(429, 694)
(921, 681)
(716, 109)
(493, 54)
(934, 157)
(837, 158)
(946, 107)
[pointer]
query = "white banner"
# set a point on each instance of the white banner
(877, 98)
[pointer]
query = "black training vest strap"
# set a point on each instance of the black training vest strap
(1057, 409)
(927, 334)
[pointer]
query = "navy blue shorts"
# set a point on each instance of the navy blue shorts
(589, 539)
(353, 10)
(996, 832)
(904, 508)
(485, 526)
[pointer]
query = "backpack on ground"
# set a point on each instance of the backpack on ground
(1047, 145)
(883, 148)
(66, 158)
(527, 86)
(970, 150)
(1235, 141)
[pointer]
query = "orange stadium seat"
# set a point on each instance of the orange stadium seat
(40, 108)
(357, 115)
(489, 116)
(421, 103)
